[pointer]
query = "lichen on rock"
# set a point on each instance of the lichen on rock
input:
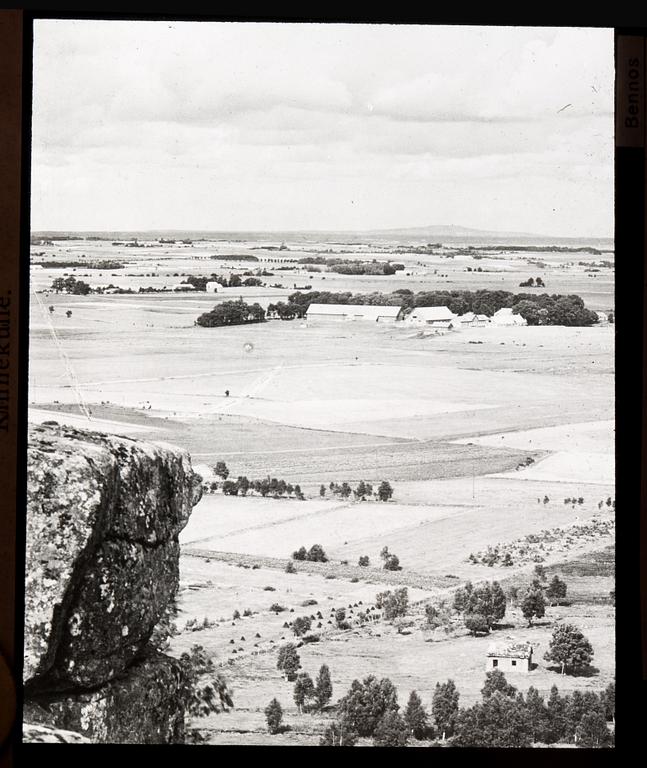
(102, 558)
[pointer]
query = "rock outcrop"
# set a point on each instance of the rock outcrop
(102, 564)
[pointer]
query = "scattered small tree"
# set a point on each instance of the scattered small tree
(300, 554)
(363, 561)
(323, 687)
(556, 590)
(288, 661)
(316, 554)
(570, 649)
(301, 625)
(273, 716)
(221, 470)
(304, 690)
(533, 605)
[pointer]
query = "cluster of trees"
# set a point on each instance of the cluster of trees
(384, 491)
(532, 283)
(351, 267)
(482, 607)
(504, 717)
(393, 604)
(234, 257)
(315, 554)
(71, 285)
(540, 309)
(199, 282)
(232, 313)
(285, 311)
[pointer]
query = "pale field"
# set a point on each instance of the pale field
(446, 419)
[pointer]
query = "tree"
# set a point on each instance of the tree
(68, 313)
(391, 731)
(444, 707)
(533, 604)
(556, 590)
(538, 717)
(298, 492)
(498, 602)
(432, 614)
(570, 649)
(557, 719)
(338, 734)
(301, 625)
(288, 661)
(323, 687)
(300, 554)
(316, 554)
(540, 571)
(360, 491)
(592, 731)
(499, 721)
(363, 561)
(243, 485)
(230, 488)
(366, 703)
(203, 697)
(495, 681)
(345, 490)
(461, 596)
(340, 617)
(289, 568)
(608, 701)
(322, 490)
(488, 601)
(416, 717)
(476, 622)
(304, 689)
(221, 470)
(393, 604)
(384, 491)
(273, 716)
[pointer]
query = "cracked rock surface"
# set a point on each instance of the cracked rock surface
(102, 552)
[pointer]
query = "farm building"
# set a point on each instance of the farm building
(516, 657)
(468, 320)
(352, 312)
(505, 316)
(482, 320)
(602, 317)
(436, 317)
(212, 287)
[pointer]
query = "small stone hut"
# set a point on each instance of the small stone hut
(516, 657)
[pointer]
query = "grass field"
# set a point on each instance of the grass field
(448, 420)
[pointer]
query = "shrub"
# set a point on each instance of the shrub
(289, 568)
(363, 561)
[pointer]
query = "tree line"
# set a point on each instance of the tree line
(503, 717)
(542, 309)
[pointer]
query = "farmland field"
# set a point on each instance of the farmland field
(487, 435)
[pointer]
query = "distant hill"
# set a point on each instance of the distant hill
(452, 230)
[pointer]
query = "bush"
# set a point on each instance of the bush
(363, 561)
(289, 568)
(277, 608)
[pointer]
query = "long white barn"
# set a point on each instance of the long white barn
(352, 312)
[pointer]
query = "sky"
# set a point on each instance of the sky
(271, 126)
